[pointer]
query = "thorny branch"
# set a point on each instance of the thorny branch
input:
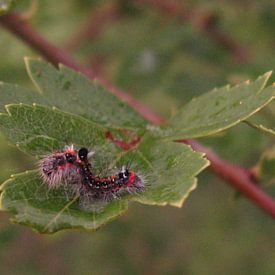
(238, 177)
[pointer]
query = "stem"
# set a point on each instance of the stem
(238, 177)
(23, 30)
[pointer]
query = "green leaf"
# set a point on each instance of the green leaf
(38, 129)
(75, 93)
(11, 93)
(220, 109)
(48, 211)
(169, 168)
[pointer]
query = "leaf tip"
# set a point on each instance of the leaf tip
(180, 202)
(269, 73)
(265, 76)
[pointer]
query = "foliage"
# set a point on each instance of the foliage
(82, 114)
(221, 109)
(164, 62)
(38, 129)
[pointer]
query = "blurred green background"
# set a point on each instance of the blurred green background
(164, 62)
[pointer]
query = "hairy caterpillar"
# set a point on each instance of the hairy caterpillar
(59, 167)
(110, 187)
(73, 168)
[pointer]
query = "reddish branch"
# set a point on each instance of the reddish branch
(239, 177)
(206, 23)
(97, 20)
(22, 29)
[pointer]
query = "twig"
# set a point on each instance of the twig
(206, 23)
(239, 177)
(23, 30)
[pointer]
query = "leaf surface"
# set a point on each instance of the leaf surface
(220, 109)
(11, 93)
(48, 211)
(75, 93)
(41, 129)
(168, 169)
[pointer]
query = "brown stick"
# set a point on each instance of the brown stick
(205, 23)
(238, 177)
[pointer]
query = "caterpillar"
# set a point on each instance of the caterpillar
(59, 167)
(110, 187)
(72, 167)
